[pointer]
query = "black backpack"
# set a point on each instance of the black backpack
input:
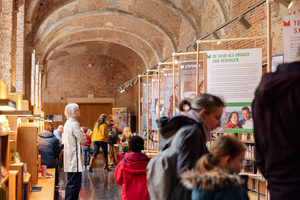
(113, 138)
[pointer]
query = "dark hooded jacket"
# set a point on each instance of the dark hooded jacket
(225, 186)
(192, 143)
(276, 117)
(48, 148)
(191, 146)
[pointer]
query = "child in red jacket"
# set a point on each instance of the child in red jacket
(131, 171)
(86, 147)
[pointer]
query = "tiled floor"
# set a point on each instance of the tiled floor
(98, 184)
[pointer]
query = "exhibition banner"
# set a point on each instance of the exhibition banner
(188, 80)
(147, 105)
(234, 74)
(291, 32)
(159, 105)
(168, 94)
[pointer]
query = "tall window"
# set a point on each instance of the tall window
(40, 91)
(32, 78)
(36, 86)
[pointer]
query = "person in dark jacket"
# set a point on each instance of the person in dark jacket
(215, 175)
(203, 115)
(276, 118)
(49, 149)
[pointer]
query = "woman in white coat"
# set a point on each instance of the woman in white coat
(73, 162)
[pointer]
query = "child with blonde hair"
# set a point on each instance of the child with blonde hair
(127, 134)
(215, 174)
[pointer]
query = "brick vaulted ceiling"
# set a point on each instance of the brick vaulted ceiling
(149, 29)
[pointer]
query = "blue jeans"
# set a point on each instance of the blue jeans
(86, 155)
(73, 185)
(97, 145)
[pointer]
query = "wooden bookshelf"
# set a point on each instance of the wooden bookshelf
(20, 182)
(28, 149)
(12, 186)
(27, 186)
(4, 156)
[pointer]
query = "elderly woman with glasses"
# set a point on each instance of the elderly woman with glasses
(73, 138)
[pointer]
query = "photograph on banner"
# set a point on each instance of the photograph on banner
(277, 60)
(120, 116)
(234, 74)
(235, 116)
(188, 80)
(159, 105)
(239, 117)
(291, 36)
(123, 119)
(147, 105)
(168, 94)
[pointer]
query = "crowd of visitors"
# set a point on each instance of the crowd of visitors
(184, 168)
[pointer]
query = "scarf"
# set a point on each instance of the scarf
(196, 116)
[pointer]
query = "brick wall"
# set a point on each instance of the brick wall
(72, 78)
(6, 25)
(258, 20)
(20, 52)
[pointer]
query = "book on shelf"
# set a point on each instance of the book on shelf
(249, 151)
(248, 166)
(12, 151)
(18, 158)
(3, 171)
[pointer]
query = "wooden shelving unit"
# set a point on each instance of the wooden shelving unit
(28, 149)
(4, 156)
(12, 186)
(20, 182)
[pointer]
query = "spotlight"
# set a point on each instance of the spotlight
(244, 22)
(122, 90)
(287, 4)
(136, 80)
(162, 67)
(215, 36)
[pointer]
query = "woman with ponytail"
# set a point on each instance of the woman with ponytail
(202, 115)
(215, 174)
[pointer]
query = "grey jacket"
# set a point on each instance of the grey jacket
(192, 143)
